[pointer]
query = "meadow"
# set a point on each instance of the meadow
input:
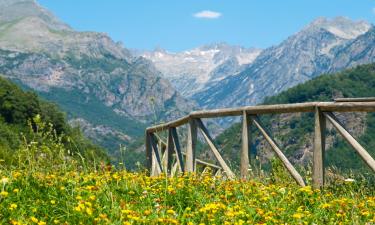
(110, 196)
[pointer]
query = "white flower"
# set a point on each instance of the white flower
(282, 190)
(4, 180)
(349, 180)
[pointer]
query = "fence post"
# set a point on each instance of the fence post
(246, 140)
(319, 149)
(148, 152)
(191, 145)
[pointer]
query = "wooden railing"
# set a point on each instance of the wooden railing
(159, 154)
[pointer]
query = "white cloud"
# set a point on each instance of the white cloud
(207, 14)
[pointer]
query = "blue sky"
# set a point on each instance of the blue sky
(183, 24)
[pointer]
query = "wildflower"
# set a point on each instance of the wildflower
(170, 211)
(4, 180)
(4, 194)
(89, 211)
(325, 205)
(349, 180)
(42, 223)
(306, 190)
(35, 220)
(12, 206)
(147, 212)
(16, 190)
(297, 215)
(282, 190)
(53, 202)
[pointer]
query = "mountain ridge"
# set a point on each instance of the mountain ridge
(299, 58)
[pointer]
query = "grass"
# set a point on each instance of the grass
(46, 183)
(109, 196)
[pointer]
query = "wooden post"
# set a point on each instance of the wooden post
(246, 140)
(178, 149)
(191, 145)
(148, 152)
(351, 140)
(157, 166)
(216, 152)
(169, 149)
(297, 177)
(319, 149)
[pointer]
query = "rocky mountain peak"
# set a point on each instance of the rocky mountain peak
(13, 10)
(342, 27)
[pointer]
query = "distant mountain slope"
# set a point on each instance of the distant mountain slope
(294, 132)
(97, 81)
(317, 49)
(191, 71)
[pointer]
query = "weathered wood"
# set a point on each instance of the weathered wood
(218, 173)
(351, 140)
(204, 163)
(210, 142)
(297, 177)
(177, 148)
(365, 99)
(346, 106)
(259, 109)
(148, 151)
(352, 106)
(245, 150)
(174, 169)
(170, 148)
(191, 146)
(165, 126)
(319, 149)
(156, 155)
(176, 141)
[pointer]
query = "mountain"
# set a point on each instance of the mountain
(97, 81)
(294, 131)
(316, 49)
(191, 71)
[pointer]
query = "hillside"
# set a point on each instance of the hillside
(20, 124)
(104, 89)
(293, 132)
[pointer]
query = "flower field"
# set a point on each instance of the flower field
(119, 197)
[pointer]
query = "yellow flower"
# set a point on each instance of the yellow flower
(89, 211)
(41, 223)
(297, 215)
(53, 202)
(170, 211)
(325, 205)
(4, 194)
(13, 206)
(16, 190)
(35, 220)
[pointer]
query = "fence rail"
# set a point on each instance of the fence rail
(160, 153)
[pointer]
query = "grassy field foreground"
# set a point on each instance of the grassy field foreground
(120, 197)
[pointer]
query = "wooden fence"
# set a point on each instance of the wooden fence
(159, 154)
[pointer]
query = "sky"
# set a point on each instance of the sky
(177, 25)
